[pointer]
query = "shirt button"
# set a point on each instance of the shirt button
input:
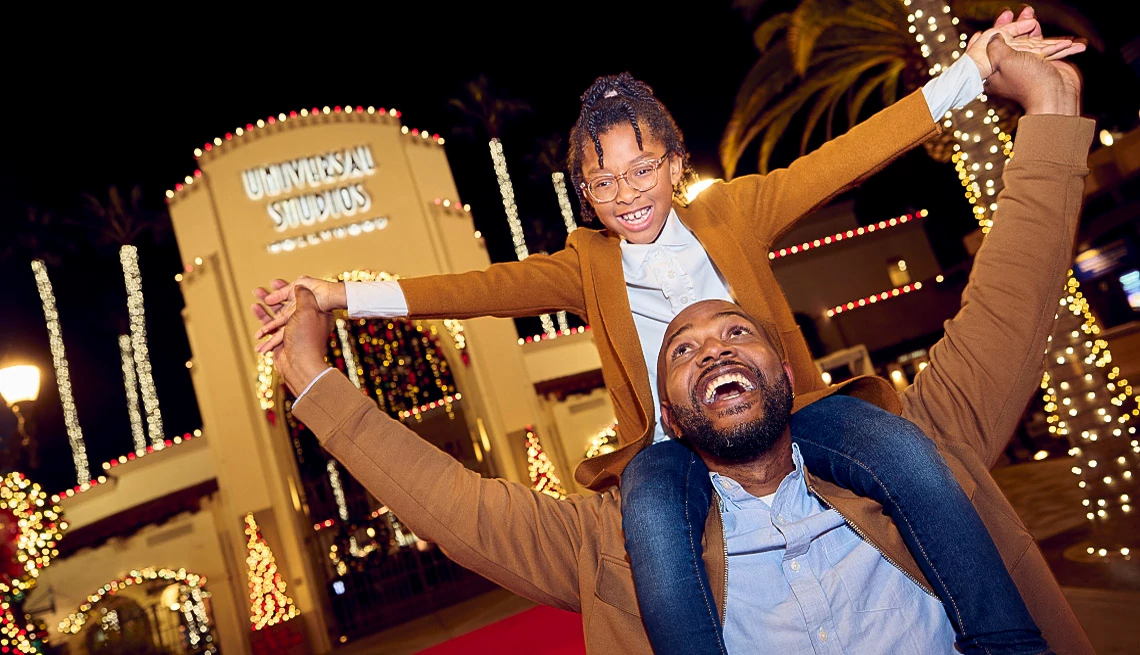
(780, 518)
(684, 300)
(822, 635)
(795, 565)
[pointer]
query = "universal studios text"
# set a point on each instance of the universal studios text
(340, 172)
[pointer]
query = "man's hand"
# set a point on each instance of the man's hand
(281, 304)
(1023, 34)
(301, 356)
(1040, 86)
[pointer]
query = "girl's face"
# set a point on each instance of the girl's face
(635, 215)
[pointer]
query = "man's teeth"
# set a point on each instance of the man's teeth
(727, 378)
(636, 216)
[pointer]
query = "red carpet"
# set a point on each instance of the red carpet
(539, 630)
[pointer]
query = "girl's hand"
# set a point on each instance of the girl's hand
(1024, 35)
(276, 306)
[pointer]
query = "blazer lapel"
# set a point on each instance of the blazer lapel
(613, 301)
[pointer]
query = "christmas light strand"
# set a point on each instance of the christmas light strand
(453, 205)
(547, 337)
(507, 191)
(62, 375)
(603, 442)
(872, 299)
(130, 382)
(338, 490)
(849, 234)
(314, 116)
(269, 604)
(19, 637)
(129, 257)
(75, 622)
(564, 206)
(123, 459)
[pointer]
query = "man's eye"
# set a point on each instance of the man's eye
(680, 350)
(739, 331)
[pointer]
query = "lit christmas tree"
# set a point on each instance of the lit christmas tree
(268, 602)
(542, 476)
(1091, 405)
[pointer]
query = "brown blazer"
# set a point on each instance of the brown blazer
(571, 553)
(736, 222)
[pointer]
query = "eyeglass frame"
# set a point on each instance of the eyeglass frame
(656, 163)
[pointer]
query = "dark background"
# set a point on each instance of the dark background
(98, 100)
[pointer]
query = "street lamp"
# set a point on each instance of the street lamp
(20, 384)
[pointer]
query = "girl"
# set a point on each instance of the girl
(657, 254)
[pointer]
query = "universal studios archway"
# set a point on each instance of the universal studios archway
(323, 192)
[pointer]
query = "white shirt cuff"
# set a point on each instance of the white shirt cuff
(954, 88)
(319, 376)
(377, 299)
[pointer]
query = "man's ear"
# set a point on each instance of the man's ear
(667, 420)
(791, 376)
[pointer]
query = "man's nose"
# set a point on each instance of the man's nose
(714, 350)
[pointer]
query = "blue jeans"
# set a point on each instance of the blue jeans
(666, 496)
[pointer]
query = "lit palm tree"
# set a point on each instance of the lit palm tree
(124, 223)
(488, 109)
(835, 54)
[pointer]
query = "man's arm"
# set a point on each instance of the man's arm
(514, 536)
(989, 363)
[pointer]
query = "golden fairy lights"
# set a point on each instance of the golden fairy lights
(62, 374)
(507, 191)
(872, 299)
(559, 180)
(130, 382)
(849, 234)
(338, 489)
(603, 442)
(268, 602)
(76, 620)
(129, 257)
(41, 526)
(541, 469)
(17, 636)
(315, 116)
(1092, 405)
(265, 380)
(982, 147)
(350, 366)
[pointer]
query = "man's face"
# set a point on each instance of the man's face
(725, 389)
(636, 216)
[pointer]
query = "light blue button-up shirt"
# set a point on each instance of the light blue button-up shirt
(800, 580)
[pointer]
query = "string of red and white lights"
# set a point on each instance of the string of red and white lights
(123, 459)
(848, 234)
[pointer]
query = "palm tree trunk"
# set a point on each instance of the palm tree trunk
(62, 374)
(1084, 401)
(507, 191)
(131, 384)
(559, 180)
(129, 257)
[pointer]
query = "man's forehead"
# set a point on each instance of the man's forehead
(704, 312)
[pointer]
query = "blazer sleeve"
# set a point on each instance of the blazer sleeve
(516, 537)
(990, 361)
(539, 284)
(770, 205)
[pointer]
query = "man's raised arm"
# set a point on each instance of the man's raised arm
(989, 363)
(524, 541)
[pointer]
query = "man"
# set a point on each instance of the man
(570, 554)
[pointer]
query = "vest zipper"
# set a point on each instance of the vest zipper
(724, 543)
(865, 538)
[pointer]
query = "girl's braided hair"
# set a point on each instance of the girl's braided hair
(615, 100)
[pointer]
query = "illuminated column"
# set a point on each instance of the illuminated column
(1090, 404)
(559, 180)
(129, 257)
(542, 475)
(132, 388)
(507, 191)
(62, 376)
(268, 602)
(981, 147)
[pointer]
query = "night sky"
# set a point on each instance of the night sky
(124, 100)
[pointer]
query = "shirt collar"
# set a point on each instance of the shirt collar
(673, 233)
(732, 492)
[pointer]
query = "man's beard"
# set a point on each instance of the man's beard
(746, 441)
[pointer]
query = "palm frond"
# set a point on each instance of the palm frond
(831, 95)
(770, 28)
(809, 20)
(889, 77)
